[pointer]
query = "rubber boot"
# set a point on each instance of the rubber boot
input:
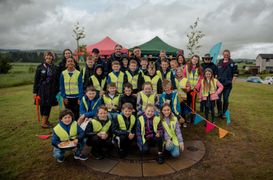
(44, 122)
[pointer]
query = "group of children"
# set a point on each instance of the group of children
(143, 104)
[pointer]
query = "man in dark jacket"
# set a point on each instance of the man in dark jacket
(116, 56)
(227, 73)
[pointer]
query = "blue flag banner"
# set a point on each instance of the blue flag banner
(227, 114)
(197, 119)
(214, 51)
(60, 100)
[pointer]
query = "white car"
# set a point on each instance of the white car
(268, 80)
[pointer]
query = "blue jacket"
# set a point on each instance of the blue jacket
(62, 89)
(226, 73)
(93, 105)
(56, 140)
(176, 109)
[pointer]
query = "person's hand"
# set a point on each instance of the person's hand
(75, 141)
(104, 135)
(131, 136)
(181, 120)
(169, 142)
(101, 93)
(81, 119)
(234, 79)
(157, 135)
(181, 146)
(65, 101)
(34, 95)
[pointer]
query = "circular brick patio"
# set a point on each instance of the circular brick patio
(136, 165)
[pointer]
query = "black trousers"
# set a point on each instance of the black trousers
(74, 107)
(209, 107)
(97, 143)
(222, 107)
(45, 110)
(158, 142)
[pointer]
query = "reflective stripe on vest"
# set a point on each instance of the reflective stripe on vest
(112, 102)
(156, 121)
(96, 83)
(63, 135)
(97, 127)
(180, 85)
(122, 124)
(154, 81)
(168, 75)
(71, 82)
(83, 73)
(212, 90)
(147, 100)
(171, 130)
(193, 78)
(85, 103)
(174, 101)
(132, 79)
(118, 80)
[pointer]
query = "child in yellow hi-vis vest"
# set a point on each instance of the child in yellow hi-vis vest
(172, 133)
(146, 96)
(111, 100)
(154, 78)
(149, 132)
(66, 136)
(98, 133)
(124, 129)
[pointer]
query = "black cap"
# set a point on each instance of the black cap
(96, 50)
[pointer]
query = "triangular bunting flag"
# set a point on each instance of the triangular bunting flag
(222, 132)
(197, 119)
(209, 126)
(227, 114)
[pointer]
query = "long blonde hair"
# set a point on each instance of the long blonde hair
(207, 84)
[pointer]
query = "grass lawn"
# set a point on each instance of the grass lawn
(246, 155)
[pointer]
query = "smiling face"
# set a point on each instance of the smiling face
(133, 67)
(208, 75)
(226, 55)
(67, 54)
(151, 71)
(150, 112)
(174, 64)
(179, 72)
(48, 59)
(67, 119)
(127, 112)
(99, 71)
(127, 91)
(194, 60)
(112, 90)
(148, 89)
(166, 111)
(70, 63)
(102, 114)
(168, 88)
(91, 94)
(116, 67)
(164, 65)
(90, 62)
(137, 52)
(180, 59)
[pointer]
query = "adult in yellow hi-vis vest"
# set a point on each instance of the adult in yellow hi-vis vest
(67, 135)
(149, 131)
(172, 136)
(98, 132)
(124, 129)
(71, 87)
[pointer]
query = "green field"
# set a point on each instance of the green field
(247, 155)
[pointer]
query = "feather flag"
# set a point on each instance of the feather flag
(222, 133)
(197, 119)
(227, 114)
(209, 126)
(60, 100)
(214, 51)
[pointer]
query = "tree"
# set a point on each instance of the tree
(194, 37)
(78, 34)
(4, 63)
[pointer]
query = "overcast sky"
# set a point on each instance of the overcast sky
(244, 27)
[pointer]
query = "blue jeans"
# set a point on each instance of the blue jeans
(58, 153)
(222, 107)
(173, 149)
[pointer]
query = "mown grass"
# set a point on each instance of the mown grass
(246, 155)
(20, 74)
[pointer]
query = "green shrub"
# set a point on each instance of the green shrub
(4, 66)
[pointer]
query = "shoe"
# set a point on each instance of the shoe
(45, 126)
(81, 157)
(184, 125)
(98, 156)
(60, 160)
(160, 159)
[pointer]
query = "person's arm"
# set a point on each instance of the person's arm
(80, 85)
(140, 82)
(160, 129)
(89, 130)
(36, 81)
(178, 132)
(92, 112)
(55, 140)
(235, 72)
(62, 90)
(116, 130)
(139, 105)
(220, 87)
(185, 71)
(177, 107)
(82, 108)
(159, 87)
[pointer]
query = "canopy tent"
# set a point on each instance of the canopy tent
(155, 45)
(106, 47)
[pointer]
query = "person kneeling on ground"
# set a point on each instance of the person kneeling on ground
(124, 129)
(97, 133)
(66, 136)
(149, 132)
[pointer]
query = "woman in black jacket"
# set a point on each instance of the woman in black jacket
(46, 85)
(67, 53)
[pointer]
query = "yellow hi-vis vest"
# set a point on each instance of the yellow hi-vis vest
(147, 100)
(212, 90)
(83, 73)
(113, 102)
(153, 80)
(122, 124)
(85, 103)
(193, 78)
(132, 79)
(174, 102)
(96, 83)
(180, 85)
(168, 75)
(63, 135)
(118, 80)
(156, 121)
(71, 82)
(170, 129)
(97, 127)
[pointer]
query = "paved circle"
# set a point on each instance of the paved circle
(136, 165)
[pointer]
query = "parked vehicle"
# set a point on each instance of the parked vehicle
(254, 79)
(268, 80)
